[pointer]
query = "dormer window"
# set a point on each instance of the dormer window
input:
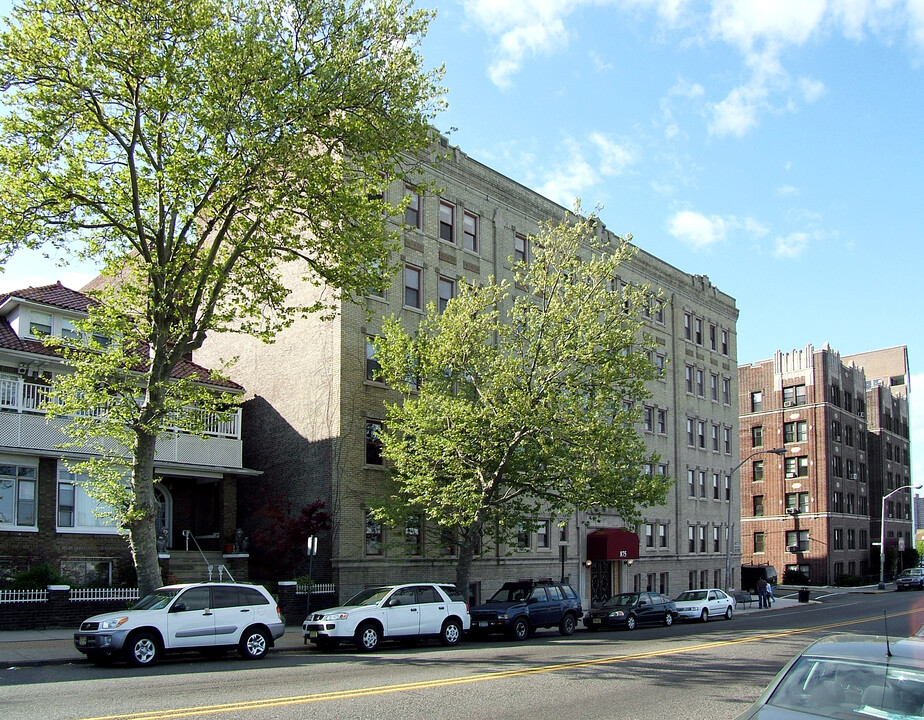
(39, 323)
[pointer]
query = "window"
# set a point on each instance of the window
(726, 439)
(836, 431)
(649, 535)
(836, 396)
(837, 501)
(692, 538)
(725, 342)
(713, 341)
(851, 535)
(373, 535)
(715, 486)
(698, 331)
(691, 483)
(413, 537)
(759, 542)
(39, 323)
(797, 540)
(76, 509)
(702, 483)
(373, 442)
(544, 534)
(863, 539)
(837, 466)
(794, 395)
(701, 433)
(447, 222)
(470, 232)
(757, 468)
(691, 436)
(726, 391)
(447, 291)
(757, 435)
(796, 466)
(17, 496)
(795, 431)
(373, 369)
(715, 539)
(520, 249)
(757, 401)
(662, 535)
(659, 311)
(797, 501)
(662, 422)
(688, 377)
(702, 538)
(838, 538)
(851, 504)
(714, 387)
(715, 438)
(848, 434)
(700, 383)
(687, 326)
(412, 286)
(523, 538)
(659, 363)
(412, 213)
(758, 509)
(92, 572)
(728, 488)
(69, 331)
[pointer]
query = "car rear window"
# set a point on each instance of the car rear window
(569, 592)
(453, 593)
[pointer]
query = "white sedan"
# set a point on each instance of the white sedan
(704, 604)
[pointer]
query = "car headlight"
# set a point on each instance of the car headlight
(503, 616)
(113, 623)
(336, 616)
(617, 614)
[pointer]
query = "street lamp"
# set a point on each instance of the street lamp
(774, 451)
(882, 531)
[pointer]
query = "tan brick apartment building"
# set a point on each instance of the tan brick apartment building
(313, 410)
(815, 509)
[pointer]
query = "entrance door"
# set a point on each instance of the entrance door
(164, 521)
(601, 581)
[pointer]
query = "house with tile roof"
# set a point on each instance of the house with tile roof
(46, 514)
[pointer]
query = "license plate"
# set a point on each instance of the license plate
(82, 640)
(482, 623)
(312, 633)
(595, 621)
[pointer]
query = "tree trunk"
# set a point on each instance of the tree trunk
(142, 527)
(468, 543)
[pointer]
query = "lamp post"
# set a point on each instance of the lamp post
(774, 451)
(882, 531)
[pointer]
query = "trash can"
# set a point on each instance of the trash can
(803, 595)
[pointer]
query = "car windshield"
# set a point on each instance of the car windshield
(690, 595)
(156, 600)
(851, 689)
(512, 593)
(369, 596)
(621, 599)
(912, 571)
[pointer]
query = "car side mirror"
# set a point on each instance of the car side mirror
(532, 601)
(178, 607)
(642, 602)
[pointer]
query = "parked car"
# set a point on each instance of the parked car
(847, 676)
(391, 612)
(629, 610)
(521, 607)
(910, 578)
(210, 617)
(704, 604)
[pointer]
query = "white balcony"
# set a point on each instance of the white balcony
(24, 425)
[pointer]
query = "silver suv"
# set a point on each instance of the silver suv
(210, 617)
(391, 612)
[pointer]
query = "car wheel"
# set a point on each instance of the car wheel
(630, 622)
(705, 615)
(253, 644)
(729, 612)
(451, 634)
(367, 637)
(668, 619)
(566, 627)
(520, 630)
(142, 650)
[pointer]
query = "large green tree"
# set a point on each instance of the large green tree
(519, 401)
(192, 149)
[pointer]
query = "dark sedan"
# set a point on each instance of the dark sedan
(629, 610)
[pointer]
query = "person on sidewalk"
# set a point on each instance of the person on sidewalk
(770, 598)
(762, 593)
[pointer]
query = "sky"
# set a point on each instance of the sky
(776, 146)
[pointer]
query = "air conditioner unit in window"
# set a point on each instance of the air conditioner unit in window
(853, 476)
(861, 414)
(792, 511)
(788, 403)
(790, 475)
(792, 548)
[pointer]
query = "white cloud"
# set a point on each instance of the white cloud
(811, 89)
(614, 158)
(787, 191)
(737, 113)
(697, 230)
(791, 246)
(780, 22)
(571, 178)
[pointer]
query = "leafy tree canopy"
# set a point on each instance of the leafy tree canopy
(192, 149)
(521, 401)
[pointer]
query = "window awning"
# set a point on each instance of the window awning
(612, 544)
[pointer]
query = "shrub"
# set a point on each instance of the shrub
(38, 577)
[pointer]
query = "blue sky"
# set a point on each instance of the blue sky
(773, 145)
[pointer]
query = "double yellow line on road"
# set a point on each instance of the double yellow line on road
(269, 703)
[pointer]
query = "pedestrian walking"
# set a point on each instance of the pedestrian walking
(762, 586)
(770, 598)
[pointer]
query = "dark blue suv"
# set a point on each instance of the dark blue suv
(519, 608)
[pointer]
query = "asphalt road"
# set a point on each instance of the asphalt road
(688, 671)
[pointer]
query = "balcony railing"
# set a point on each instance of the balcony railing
(18, 395)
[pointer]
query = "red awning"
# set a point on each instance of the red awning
(612, 544)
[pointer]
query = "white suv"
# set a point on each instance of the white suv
(391, 612)
(210, 617)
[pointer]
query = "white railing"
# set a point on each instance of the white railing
(23, 596)
(104, 594)
(304, 589)
(17, 395)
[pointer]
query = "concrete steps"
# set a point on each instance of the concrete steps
(188, 566)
